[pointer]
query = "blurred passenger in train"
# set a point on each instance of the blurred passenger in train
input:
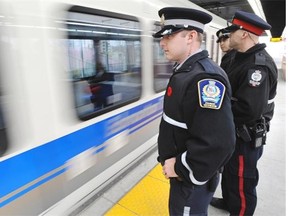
(100, 90)
(253, 78)
(197, 135)
(224, 42)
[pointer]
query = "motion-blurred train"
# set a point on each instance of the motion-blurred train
(81, 86)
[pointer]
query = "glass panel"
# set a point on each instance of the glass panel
(204, 41)
(3, 128)
(212, 47)
(104, 62)
(81, 58)
(161, 66)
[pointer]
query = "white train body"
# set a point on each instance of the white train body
(81, 86)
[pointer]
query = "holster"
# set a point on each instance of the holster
(256, 134)
(243, 132)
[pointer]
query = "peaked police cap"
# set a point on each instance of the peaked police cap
(174, 19)
(249, 22)
(222, 33)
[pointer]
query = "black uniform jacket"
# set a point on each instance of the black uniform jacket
(253, 78)
(227, 59)
(207, 143)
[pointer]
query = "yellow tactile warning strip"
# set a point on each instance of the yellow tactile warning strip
(148, 197)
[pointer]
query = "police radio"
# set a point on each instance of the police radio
(259, 133)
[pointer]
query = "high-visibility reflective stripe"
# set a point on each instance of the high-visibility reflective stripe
(186, 211)
(173, 122)
(191, 176)
(270, 101)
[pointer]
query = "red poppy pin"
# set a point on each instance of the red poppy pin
(169, 91)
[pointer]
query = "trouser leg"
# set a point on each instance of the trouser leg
(239, 180)
(188, 199)
(242, 195)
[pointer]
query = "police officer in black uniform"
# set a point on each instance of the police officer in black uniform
(197, 134)
(253, 78)
(224, 42)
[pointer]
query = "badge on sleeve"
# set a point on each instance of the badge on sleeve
(255, 77)
(211, 93)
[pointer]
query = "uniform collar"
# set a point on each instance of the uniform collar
(186, 65)
(180, 65)
(252, 50)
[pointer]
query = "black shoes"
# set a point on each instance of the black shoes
(219, 203)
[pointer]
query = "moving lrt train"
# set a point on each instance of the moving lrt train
(81, 86)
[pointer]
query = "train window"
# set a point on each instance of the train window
(204, 41)
(3, 129)
(104, 62)
(212, 47)
(217, 53)
(3, 134)
(161, 66)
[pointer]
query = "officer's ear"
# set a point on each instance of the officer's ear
(245, 34)
(192, 34)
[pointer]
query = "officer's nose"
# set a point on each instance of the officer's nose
(162, 42)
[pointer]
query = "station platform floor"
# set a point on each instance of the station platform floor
(144, 190)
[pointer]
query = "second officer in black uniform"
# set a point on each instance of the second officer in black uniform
(253, 78)
(224, 42)
(197, 135)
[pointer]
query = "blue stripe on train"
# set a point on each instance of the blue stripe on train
(28, 166)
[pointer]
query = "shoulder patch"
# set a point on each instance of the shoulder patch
(211, 93)
(255, 77)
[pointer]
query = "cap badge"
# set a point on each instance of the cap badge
(162, 21)
(167, 32)
(211, 93)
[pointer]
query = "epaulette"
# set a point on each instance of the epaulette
(260, 59)
(206, 64)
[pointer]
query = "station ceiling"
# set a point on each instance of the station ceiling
(274, 11)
